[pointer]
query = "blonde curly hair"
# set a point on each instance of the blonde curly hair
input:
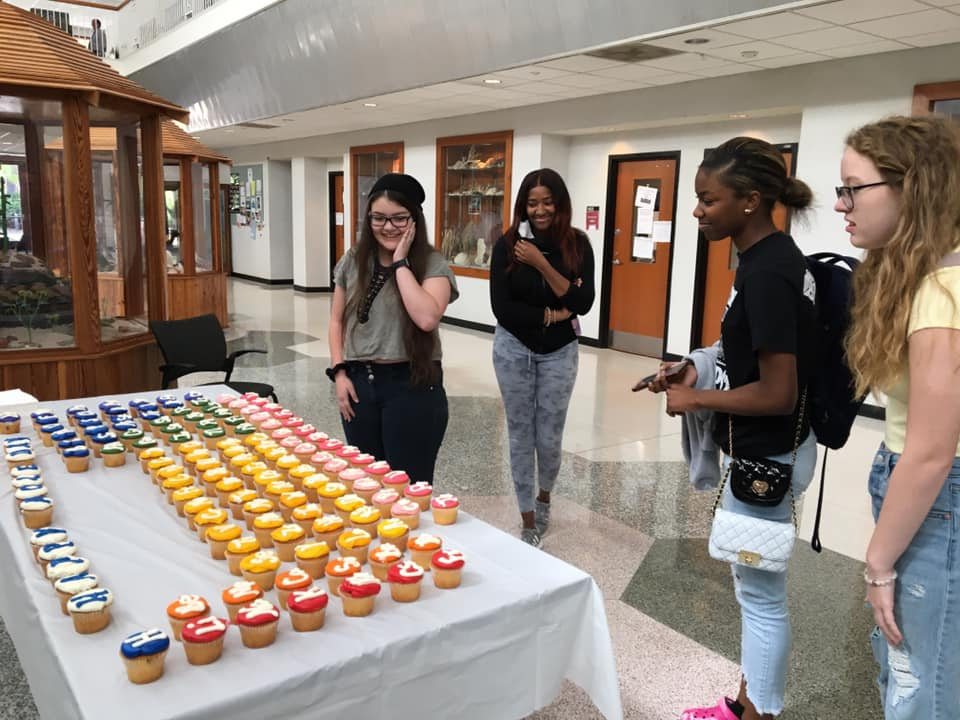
(920, 157)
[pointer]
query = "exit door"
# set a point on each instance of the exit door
(638, 269)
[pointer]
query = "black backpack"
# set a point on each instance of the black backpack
(830, 390)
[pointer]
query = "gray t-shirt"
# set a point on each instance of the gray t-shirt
(381, 337)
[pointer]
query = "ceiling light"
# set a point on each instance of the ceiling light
(229, 130)
(370, 105)
(738, 116)
(492, 81)
(749, 54)
(696, 41)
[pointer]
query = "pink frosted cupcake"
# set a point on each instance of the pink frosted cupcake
(420, 493)
(362, 461)
(270, 426)
(333, 468)
(321, 458)
(281, 433)
(259, 418)
(445, 508)
(349, 476)
(348, 453)
(238, 404)
(316, 437)
(366, 487)
(304, 431)
(377, 469)
(331, 445)
(384, 499)
(408, 511)
(293, 422)
(283, 414)
(290, 442)
(396, 479)
(304, 450)
(249, 411)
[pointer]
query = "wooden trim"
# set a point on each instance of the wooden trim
(45, 355)
(154, 234)
(470, 271)
(214, 184)
(80, 224)
(96, 5)
(129, 239)
(394, 147)
(925, 95)
(188, 240)
(34, 149)
(332, 221)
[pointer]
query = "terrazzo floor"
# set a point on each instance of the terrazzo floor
(624, 512)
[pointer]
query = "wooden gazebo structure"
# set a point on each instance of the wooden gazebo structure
(60, 335)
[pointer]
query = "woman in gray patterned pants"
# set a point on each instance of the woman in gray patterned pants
(541, 278)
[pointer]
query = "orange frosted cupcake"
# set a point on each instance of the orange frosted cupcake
(404, 579)
(333, 469)
(328, 528)
(382, 558)
(300, 473)
(394, 531)
(184, 495)
(305, 514)
(328, 493)
(255, 508)
(258, 623)
(238, 549)
(366, 487)
(285, 540)
(447, 568)
(184, 609)
(275, 490)
(226, 487)
(287, 582)
(354, 543)
(346, 504)
(264, 525)
(420, 493)
(261, 568)
(307, 608)
(263, 479)
(207, 519)
(312, 557)
(396, 479)
(203, 639)
(219, 536)
(422, 548)
(194, 507)
(339, 569)
(445, 508)
(358, 593)
(237, 499)
(408, 511)
(349, 476)
(238, 595)
(384, 499)
(290, 501)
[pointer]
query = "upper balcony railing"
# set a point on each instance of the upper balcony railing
(170, 15)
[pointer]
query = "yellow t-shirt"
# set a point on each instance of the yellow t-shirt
(937, 305)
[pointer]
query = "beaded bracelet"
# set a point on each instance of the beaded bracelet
(874, 582)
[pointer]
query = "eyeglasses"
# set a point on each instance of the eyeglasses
(400, 222)
(845, 192)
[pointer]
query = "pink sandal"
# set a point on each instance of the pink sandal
(720, 711)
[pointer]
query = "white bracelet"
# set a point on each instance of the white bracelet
(882, 582)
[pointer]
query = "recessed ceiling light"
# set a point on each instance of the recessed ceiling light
(696, 41)
(738, 116)
(492, 81)
(229, 130)
(369, 104)
(749, 54)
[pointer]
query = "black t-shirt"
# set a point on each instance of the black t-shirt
(771, 309)
(519, 295)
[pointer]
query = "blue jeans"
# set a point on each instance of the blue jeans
(536, 390)
(765, 620)
(920, 680)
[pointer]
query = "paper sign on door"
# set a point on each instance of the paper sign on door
(645, 202)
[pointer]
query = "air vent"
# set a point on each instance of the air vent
(633, 52)
(256, 125)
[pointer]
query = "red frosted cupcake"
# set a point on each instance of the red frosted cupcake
(307, 608)
(358, 593)
(420, 493)
(258, 623)
(447, 568)
(445, 508)
(404, 578)
(203, 639)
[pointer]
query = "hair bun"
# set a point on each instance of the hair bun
(796, 194)
(406, 185)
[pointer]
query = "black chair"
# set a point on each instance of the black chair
(197, 344)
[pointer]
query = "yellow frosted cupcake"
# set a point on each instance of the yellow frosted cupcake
(300, 473)
(171, 481)
(157, 464)
(219, 536)
(328, 493)
(229, 453)
(225, 487)
(184, 495)
(208, 518)
(311, 486)
(305, 514)
(194, 507)
(238, 549)
(147, 455)
(394, 531)
(285, 539)
(328, 528)
(249, 471)
(276, 489)
(261, 568)
(263, 479)
(254, 439)
(354, 543)
(382, 558)
(184, 449)
(237, 499)
(365, 518)
(226, 444)
(347, 504)
(290, 501)
(272, 455)
(287, 463)
(211, 477)
(312, 557)
(238, 461)
(255, 508)
(191, 459)
(264, 524)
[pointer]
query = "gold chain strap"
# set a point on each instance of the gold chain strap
(793, 460)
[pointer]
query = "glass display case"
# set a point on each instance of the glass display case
(473, 198)
(368, 164)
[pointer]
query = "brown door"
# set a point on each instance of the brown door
(338, 215)
(640, 273)
(722, 266)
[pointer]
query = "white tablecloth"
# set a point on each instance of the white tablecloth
(497, 647)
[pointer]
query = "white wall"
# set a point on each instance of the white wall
(310, 223)
(278, 201)
(250, 248)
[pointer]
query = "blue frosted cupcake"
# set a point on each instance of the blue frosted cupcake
(143, 654)
(9, 423)
(77, 459)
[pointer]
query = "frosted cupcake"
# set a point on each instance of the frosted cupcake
(225, 488)
(209, 518)
(382, 558)
(9, 423)
(219, 537)
(66, 567)
(305, 514)
(237, 499)
(349, 476)
(184, 609)
(365, 518)
(36, 512)
(366, 487)
(328, 529)
(300, 473)
(328, 493)
(210, 478)
(422, 547)
(396, 479)
(346, 504)
(261, 568)
(307, 608)
(194, 507)
(333, 469)
(71, 585)
(384, 499)
(238, 549)
(77, 459)
(146, 455)
(143, 654)
(46, 536)
(405, 579)
(395, 532)
(90, 610)
(445, 508)
(203, 639)
(238, 595)
(408, 511)
(447, 568)
(264, 524)
(354, 543)
(420, 493)
(312, 557)
(54, 551)
(255, 508)
(304, 451)
(258, 623)
(287, 582)
(285, 539)
(337, 570)
(114, 454)
(264, 479)
(358, 593)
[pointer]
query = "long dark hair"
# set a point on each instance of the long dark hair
(561, 231)
(418, 344)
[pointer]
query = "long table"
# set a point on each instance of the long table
(497, 647)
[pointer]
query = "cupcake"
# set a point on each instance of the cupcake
(321, 458)
(219, 536)
(210, 478)
(328, 493)
(366, 487)
(77, 459)
(333, 469)
(204, 465)
(238, 595)
(377, 469)
(337, 570)
(278, 488)
(307, 608)
(66, 567)
(384, 499)
(129, 437)
(46, 536)
(422, 547)
(408, 511)
(211, 436)
(348, 452)
(29, 491)
(328, 528)
(143, 654)
(362, 461)
(331, 445)
(171, 481)
(346, 504)
(365, 518)
(54, 551)
(184, 609)
(300, 473)
(90, 610)
(146, 455)
(286, 463)
(349, 476)
(261, 568)
(255, 508)
(445, 508)
(420, 493)
(285, 539)
(237, 499)
(207, 519)
(226, 487)
(262, 480)
(183, 495)
(404, 578)
(271, 455)
(396, 479)
(9, 423)
(312, 557)
(238, 549)
(36, 512)
(194, 507)
(447, 568)
(71, 585)
(258, 623)
(382, 558)
(203, 639)
(157, 464)
(249, 471)
(354, 543)
(264, 525)
(358, 592)
(304, 451)
(305, 514)
(287, 582)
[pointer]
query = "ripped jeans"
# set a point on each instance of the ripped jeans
(920, 680)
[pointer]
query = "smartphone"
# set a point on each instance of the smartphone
(670, 372)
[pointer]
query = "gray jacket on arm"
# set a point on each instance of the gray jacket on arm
(699, 450)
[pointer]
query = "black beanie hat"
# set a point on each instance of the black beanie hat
(406, 185)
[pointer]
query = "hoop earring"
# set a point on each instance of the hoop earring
(747, 211)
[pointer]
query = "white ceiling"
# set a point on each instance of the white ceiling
(816, 33)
